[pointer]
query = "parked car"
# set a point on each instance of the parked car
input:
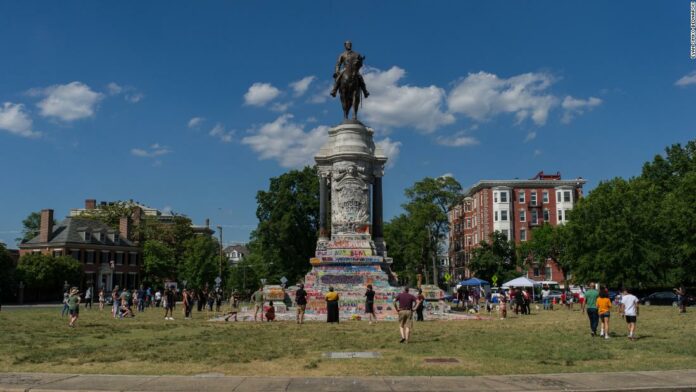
(555, 294)
(660, 298)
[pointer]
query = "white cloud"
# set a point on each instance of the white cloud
(195, 122)
(153, 151)
(459, 139)
(391, 150)
(287, 142)
(114, 88)
(219, 132)
(537, 153)
(260, 94)
(530, 136)
(301, 86)
(134, 97)
(483, 95)
(686, 80)
(281, 107)
(68, 102)
(14, 119)
(576, 106)
(394, 105)
(448, 174)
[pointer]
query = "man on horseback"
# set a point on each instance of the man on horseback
(348, 57)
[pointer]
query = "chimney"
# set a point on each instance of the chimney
(124, 227)
(90, 204)
(46, 227)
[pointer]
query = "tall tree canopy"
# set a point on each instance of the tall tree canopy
(286, 236)
(495, 258)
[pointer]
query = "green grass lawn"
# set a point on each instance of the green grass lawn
(38, 340)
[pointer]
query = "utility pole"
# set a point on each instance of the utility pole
(221, 251)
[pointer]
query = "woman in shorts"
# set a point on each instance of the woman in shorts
(604, 310)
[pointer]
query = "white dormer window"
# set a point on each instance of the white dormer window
(115, 237)
(88, 236)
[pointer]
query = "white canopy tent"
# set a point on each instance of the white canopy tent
(522, 281)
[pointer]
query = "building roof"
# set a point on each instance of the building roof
(68, 232)
(240, 248)
(483, 184)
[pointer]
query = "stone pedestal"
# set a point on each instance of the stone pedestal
(351, 168)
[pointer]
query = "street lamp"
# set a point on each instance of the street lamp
(221, 252)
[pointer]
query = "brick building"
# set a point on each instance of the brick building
(514, 208)
(108, 256)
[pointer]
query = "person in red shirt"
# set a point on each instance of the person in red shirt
(404, 304)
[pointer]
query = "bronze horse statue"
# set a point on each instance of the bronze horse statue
(351, 86)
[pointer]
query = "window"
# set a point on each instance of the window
(536, 272)
(535, 217)
(57, 253)
(523, 215)
(523, 235)
(560, 215)
(115, 238)
(89, 257)
(468, 240)
(495, 216)
(558, 197)
(495, 197)
(87, 236)
(566, 196)
(476, 238)
(566, 215)
(547, 273)
(105, 257)
(533, 198)
(133, 259)
(545, 197)
(503, 215)
(546, 215)
(474, 221)
(75, 253)
(521, 197)
(468, 223)
(505, 233)
(119, 258)
(503, 197)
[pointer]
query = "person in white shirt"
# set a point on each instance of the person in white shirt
(629, 308)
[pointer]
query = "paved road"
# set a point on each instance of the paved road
(673, 380)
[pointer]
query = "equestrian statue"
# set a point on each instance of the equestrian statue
(348, 81)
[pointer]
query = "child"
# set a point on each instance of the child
(604, 307)
(234, 308)
(270, 312)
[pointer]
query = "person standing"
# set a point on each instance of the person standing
(404, 304)
(681, 298)
(370, 304)
(158, 298)
(591, 296)
(629, 308)
(188, 304)
(502, 305)
(73, 303)
(88, 298)
(66, 309)
(545, 297)
(301, 302)
(604, 310)
(142, 299)
(169, 303)
(420, 304)
(115, 302)
(258, 300)
(101, 299)
(332, 298)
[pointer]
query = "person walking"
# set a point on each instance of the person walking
(88, 298)
(370, 304)
(66, 309)
(301, 302)
(591, 295)
(332, 298)
(420, 304)
(101, 299)
(258, 300)
(169, 303)
(629, 309)
(681, 298)
(404, 303)
(604, 310)
(73, 303)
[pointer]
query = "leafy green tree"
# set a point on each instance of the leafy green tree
(429, 200)
(31, 226)
(7, 273)
(44, 275)
(110, 213)
(678, 222)
(406, 242)
(547, 242)
(288, 214)
(247, 274)
(159, 261)
(200, 262)
(497, 257)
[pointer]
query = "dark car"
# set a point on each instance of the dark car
(660, 298)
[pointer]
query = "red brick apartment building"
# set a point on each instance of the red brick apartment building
(514, 208)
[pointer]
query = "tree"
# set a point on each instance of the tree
(159, 261)
(7, 273)
(288, 214)
(173, 234)
(548, 242)
(406, 240)
(200, 262)
(32, 226)
(110, 213)
(44, 275)
(495, 258)
(429, 201)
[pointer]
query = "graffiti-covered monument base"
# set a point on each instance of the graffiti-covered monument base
(350, 168)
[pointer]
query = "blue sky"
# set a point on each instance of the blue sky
(193, 106)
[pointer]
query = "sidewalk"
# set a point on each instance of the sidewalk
(672, 380)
